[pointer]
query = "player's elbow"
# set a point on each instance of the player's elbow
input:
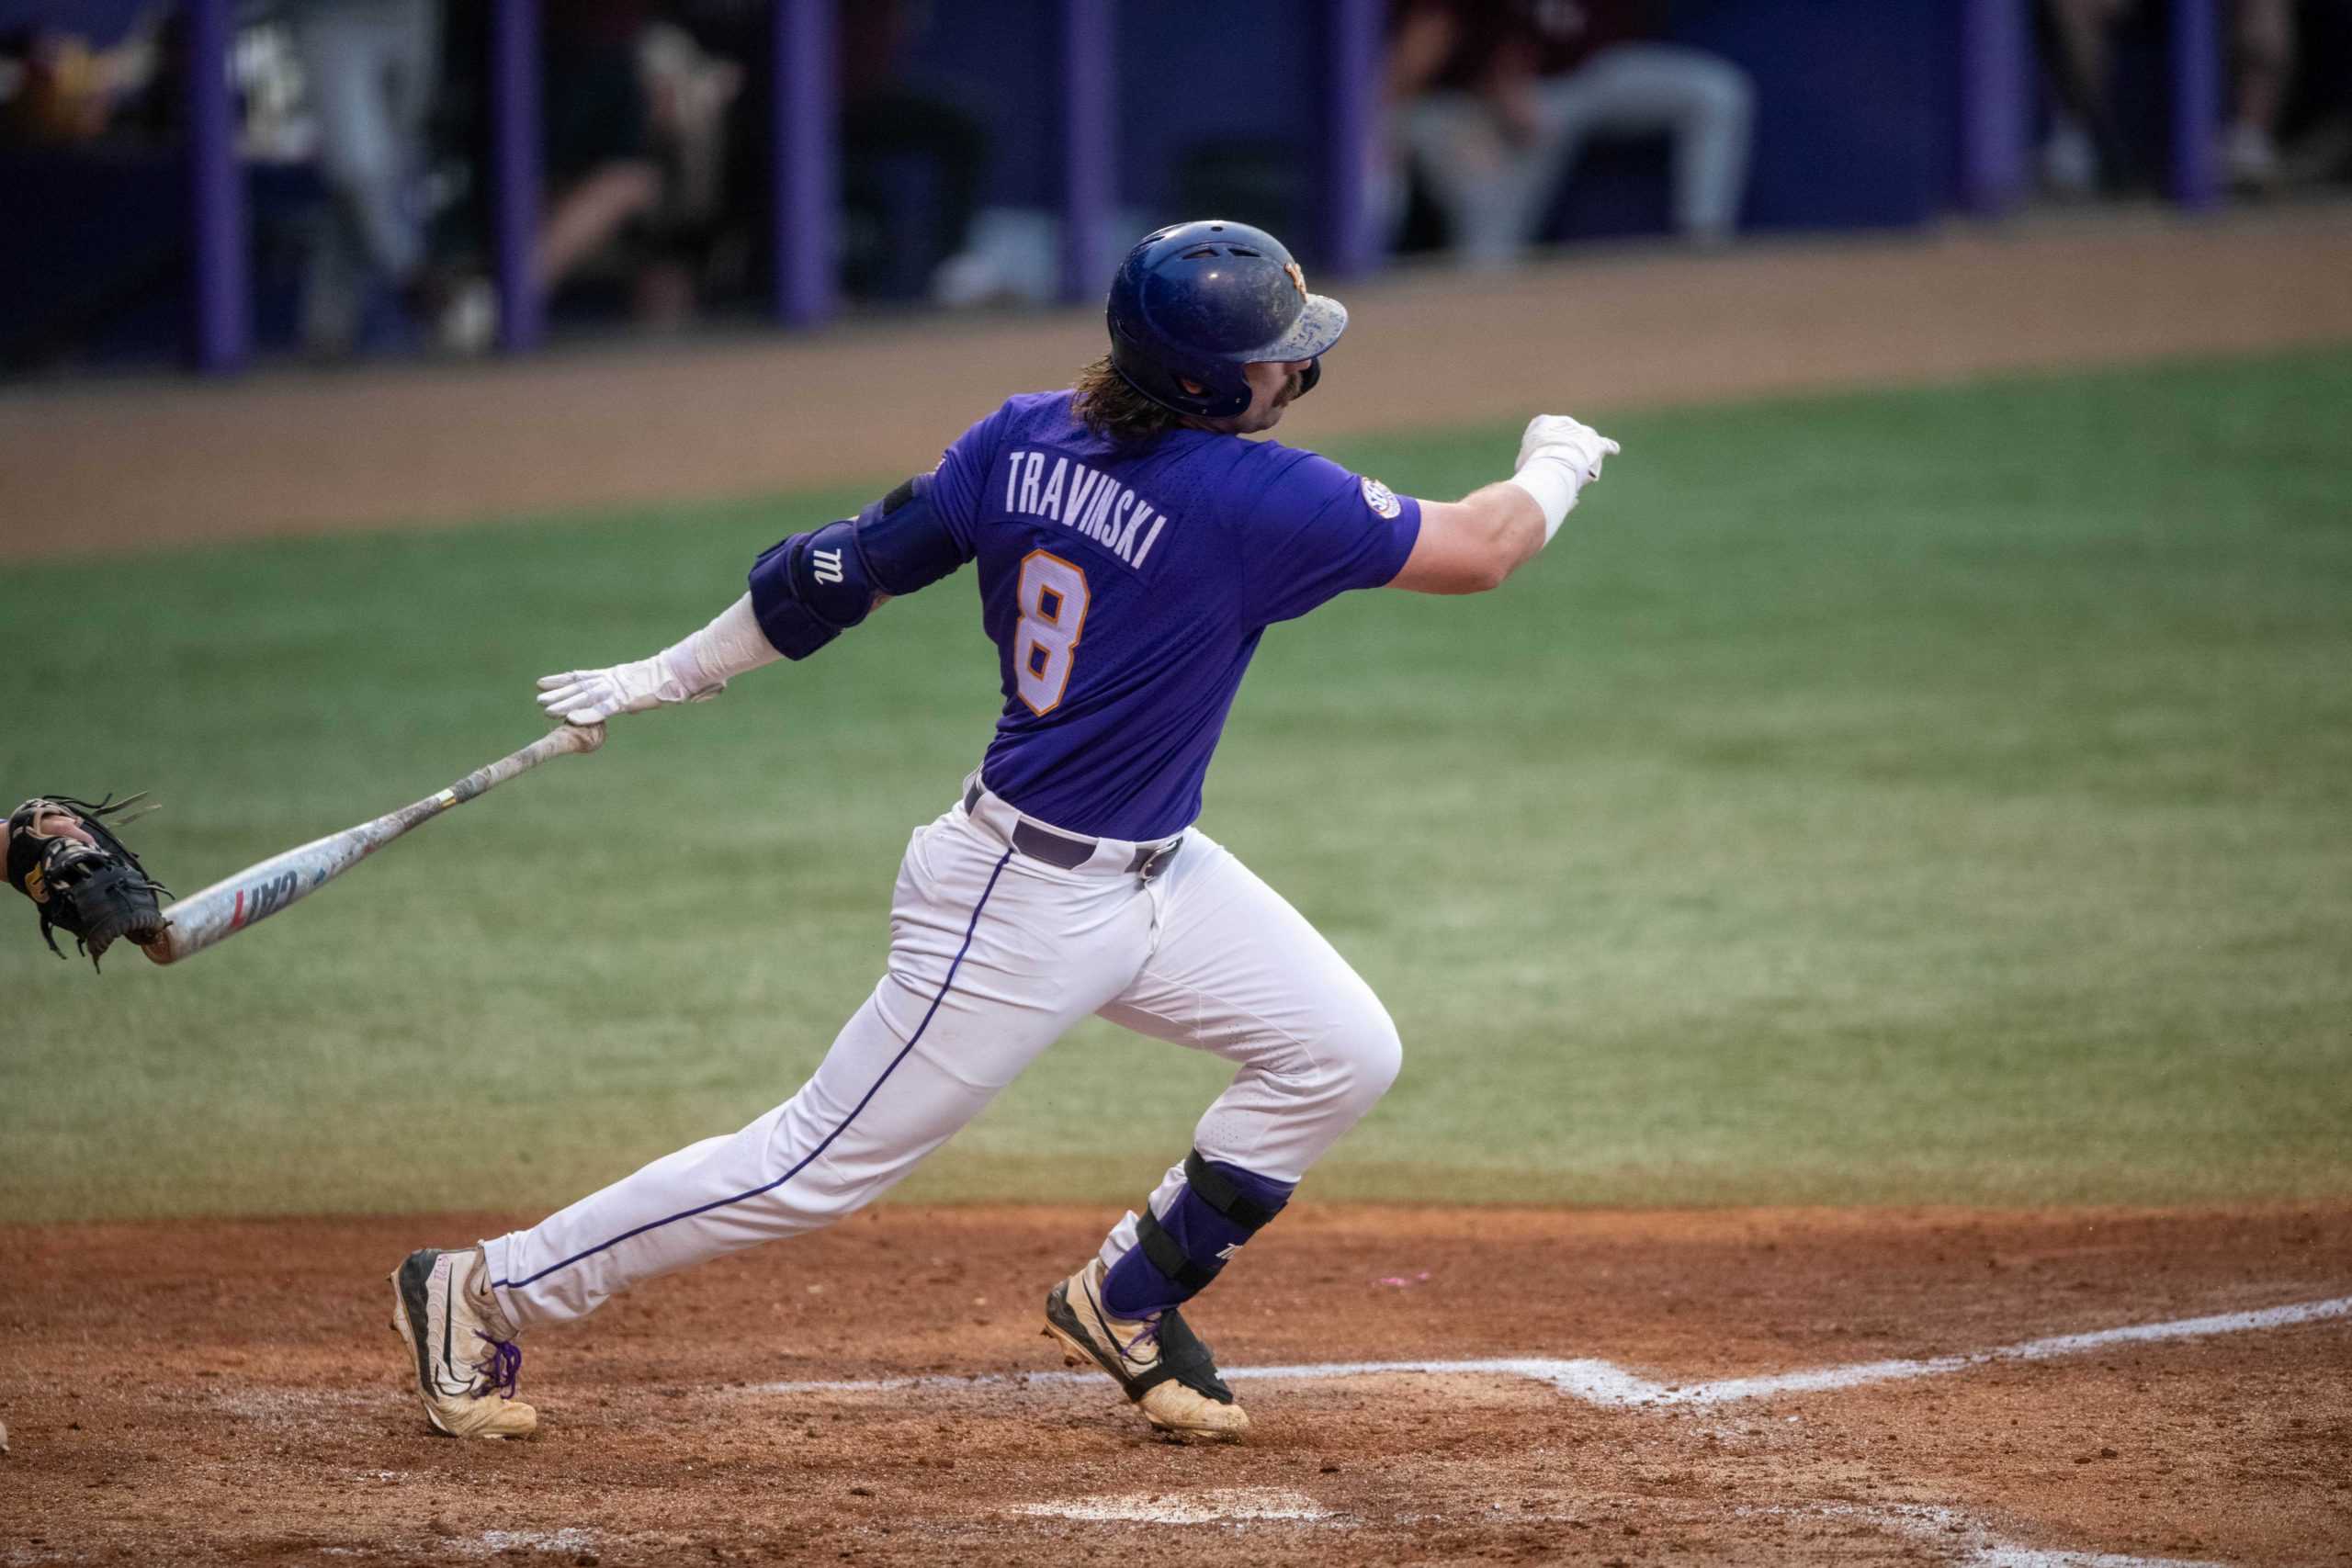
(1466, 575)
(1490, 571)
(1482, 569)
(1466, 547)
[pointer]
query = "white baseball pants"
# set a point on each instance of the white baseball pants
(993, 957)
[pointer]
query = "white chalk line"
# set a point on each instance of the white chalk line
(1969, 1541)
(1957, 1538)
(1607, 1385)
(1213, 1505)
(571, 1539)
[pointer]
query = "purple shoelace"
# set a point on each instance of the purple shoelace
(502, 1366)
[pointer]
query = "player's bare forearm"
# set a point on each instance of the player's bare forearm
(1515, 524)
(1474, 543)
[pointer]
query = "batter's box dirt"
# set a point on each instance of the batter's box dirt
(227, 1391)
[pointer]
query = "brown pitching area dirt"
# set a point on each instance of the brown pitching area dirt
(228, 1390)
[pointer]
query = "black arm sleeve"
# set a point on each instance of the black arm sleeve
(812, 587)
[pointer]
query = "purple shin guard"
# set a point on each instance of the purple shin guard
(1218, 1208)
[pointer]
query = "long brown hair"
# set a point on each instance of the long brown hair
(1114, 411)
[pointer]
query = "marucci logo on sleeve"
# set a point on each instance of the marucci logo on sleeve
(1381, 499)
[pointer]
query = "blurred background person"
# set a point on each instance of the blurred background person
(911, 161)
(2087, 151)
(57, 88)
(636, 114)
(597, 147)
(910, 158)
(86, 102)
(1492, 99)
(372, 69)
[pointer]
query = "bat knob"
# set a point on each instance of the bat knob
(585, 736)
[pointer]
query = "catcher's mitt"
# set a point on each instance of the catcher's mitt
(79, 875)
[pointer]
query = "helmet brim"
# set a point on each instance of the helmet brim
(1317, 328)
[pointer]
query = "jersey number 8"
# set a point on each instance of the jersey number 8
(1053, 612)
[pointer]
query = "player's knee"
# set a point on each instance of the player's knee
(821, 1190)
(1371, 1056)
(825, 1195)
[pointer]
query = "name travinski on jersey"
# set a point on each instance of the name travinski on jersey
(1078, 497)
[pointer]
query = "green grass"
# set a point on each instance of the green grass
(1940, 796)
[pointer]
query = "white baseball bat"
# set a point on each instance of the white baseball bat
(237, 901)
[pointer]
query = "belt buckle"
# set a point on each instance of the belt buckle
(1156, 861)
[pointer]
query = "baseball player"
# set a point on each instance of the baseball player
(1132, 548)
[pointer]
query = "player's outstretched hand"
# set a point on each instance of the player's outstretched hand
(592, 696)
(1577, 444)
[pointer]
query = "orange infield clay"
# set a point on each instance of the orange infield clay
(880, 1393)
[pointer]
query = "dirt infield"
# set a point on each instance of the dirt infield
(230, 1391)
(1724, 1387)
(113, 466)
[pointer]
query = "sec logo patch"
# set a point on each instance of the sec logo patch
(1381, 499)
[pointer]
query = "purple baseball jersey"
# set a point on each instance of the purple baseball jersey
(1125, 589)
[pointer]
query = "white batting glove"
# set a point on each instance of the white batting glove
(592, 696)
(1574, 442)
(1569, 439)
(1557, 458)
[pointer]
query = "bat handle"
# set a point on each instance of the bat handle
(557, 742)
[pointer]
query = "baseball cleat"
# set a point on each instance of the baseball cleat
(1163, 1366)
(467, 1362)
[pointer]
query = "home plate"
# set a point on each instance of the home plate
(1221, 1506)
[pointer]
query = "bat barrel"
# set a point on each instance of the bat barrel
(260, 891)
(198, 920)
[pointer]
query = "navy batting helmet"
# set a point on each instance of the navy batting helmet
(1193, 303)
